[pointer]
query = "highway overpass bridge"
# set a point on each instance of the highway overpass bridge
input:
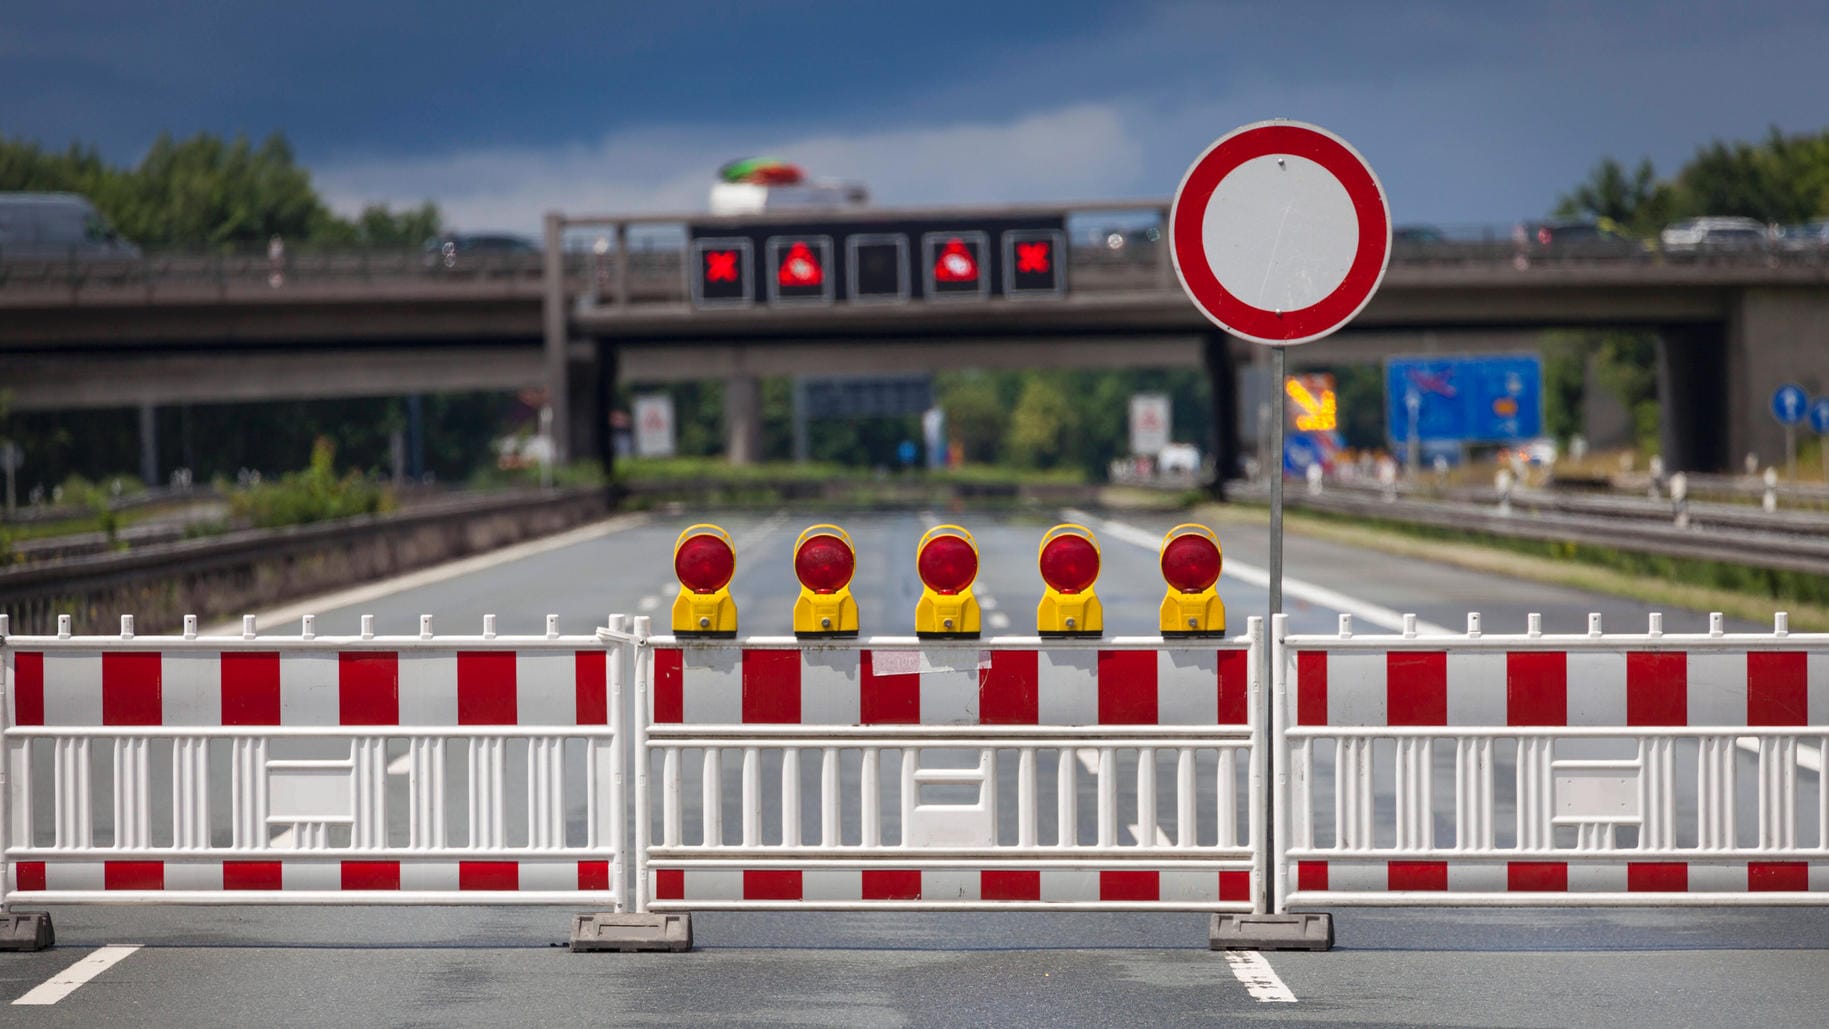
(620, 299)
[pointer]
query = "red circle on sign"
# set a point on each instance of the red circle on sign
(1189, 248)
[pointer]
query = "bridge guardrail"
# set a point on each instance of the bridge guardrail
(311, 769)
(1536, 769)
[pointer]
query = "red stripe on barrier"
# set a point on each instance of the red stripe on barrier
(1311, 687)
(1311, 875)
(893, 699)
(892, 884)
(591, 677)
(486, 687)
(1777, 687)
(130, 689)
(250, 687)
(593, 875)
(1536, 687)
(368, 689)
(1778, 876)
(252, 875)
(1416, 687)
(1234, 687)
(1127, 687)
(489, 875)
(28, 688)
(1657, 877)
(1008, 691)
(771, 687)
(133, 875)
(771, 883)
(669, 685)
(669, 884)
(1235, 886)
(1537, 876)
(1001, 884)
(371, 875)
(1657, 687)
(1416, 875)
(30, 875)
(1130, 884)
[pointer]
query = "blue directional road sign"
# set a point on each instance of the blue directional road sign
(1469, 399)
(1819, 416)
(1788, 404)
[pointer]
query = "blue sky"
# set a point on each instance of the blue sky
(1470, 111)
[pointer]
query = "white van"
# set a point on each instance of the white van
(58, 227)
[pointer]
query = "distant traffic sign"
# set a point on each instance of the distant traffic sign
(1032, 263)
(800, 269)
(1280, 232)
(1788, 404)
(725, 273)
(1465, 399)
(1819, 416)
(955, 264)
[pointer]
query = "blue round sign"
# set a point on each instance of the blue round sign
(1819, 416)
(1789, 403)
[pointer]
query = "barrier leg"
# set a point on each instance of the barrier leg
(26, 931)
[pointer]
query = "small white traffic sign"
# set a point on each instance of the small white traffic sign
(654, 425)
(1280, 232)
(1788, 404)
(1149, 423)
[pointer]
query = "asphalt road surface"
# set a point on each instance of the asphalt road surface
(499, 965)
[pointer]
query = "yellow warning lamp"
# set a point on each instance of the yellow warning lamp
(824, 561)
(704, 559)
(1190, 564)
(1069, 560)
(947, 561)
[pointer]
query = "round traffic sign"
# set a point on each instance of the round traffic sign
(1280, 232)
(1788, 404)
(1819, 416)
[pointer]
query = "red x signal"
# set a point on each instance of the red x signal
(1032, 257)
(720, 266)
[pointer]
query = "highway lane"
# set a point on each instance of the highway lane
(492, 965)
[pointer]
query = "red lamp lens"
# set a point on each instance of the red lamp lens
(1190, 563)
(704, 563)
(824, 564)
(947, 564)
(1070, 563)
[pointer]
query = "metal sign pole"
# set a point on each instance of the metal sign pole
(1275, 467)
(1791, 452)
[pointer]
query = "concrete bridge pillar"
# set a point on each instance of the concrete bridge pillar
(1222, 388)
(743, 419)
(149, 444)
(1692, 433)
(1775, 335)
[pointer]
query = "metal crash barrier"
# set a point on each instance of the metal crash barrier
(774, 773)
(1646, 769)
(312, 769)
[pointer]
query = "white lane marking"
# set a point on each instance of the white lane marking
(998, 620)
(1261, 981)
(65, 982)
(1088, 759)
(761, 530)
(1163, 839)
(647, 603)
(1251, 575)
(988, 602)
(1807, 756)
(427, 576)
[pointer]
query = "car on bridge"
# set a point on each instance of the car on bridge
(63, 227)
(1808, 236)
(1693, 234)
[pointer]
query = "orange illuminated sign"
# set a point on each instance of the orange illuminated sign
(1312, 407)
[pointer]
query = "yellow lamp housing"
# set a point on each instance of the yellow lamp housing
(704, 559)
(1190, 559)
(1069, 561)
(946, 558)
(824, 561)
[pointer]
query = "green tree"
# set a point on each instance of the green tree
(977, 415)
(1635, 201)
(1042, 424)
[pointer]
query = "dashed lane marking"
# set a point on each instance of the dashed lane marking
(1251, 575)
(1261, 981)
(65, 982)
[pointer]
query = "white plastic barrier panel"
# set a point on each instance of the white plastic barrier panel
(311, 770)
(773, 773)
(1479, 769)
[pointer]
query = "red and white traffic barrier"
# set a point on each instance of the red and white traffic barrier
(1537, 769)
